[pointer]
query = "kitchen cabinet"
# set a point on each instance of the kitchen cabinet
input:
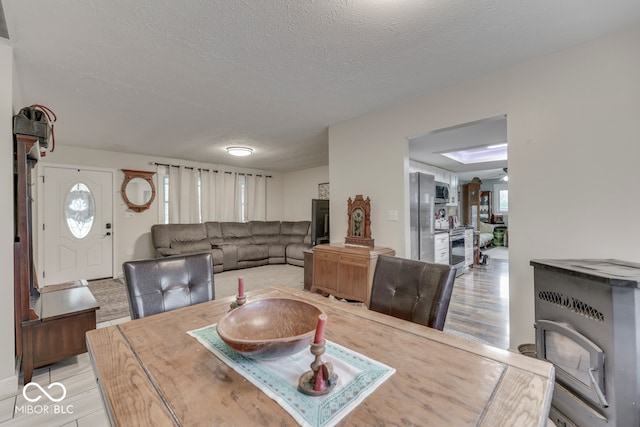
(453, 190)
(440, 175)
(441, 254)
(345, 271)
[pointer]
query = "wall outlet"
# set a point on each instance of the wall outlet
(129, 214)
(392, 215)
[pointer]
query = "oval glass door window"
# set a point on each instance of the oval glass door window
(79, 210)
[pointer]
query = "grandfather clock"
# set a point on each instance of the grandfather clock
(359, 231)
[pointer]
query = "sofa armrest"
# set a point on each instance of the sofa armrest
(167, 252)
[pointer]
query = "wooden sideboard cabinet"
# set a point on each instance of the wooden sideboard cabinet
(346, 271)
(64, 317)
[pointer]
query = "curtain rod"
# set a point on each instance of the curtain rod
(208, 170)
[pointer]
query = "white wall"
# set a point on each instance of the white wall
(573, 130)
(8, 377)
(299, 189)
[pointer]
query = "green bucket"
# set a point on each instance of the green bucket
(498, 237)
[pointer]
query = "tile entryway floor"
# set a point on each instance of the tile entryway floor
(81, 407)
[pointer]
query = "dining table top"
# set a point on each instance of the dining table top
(151, 372)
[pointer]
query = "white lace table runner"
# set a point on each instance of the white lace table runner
(358, 376)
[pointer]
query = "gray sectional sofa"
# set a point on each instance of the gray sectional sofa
(236, 245)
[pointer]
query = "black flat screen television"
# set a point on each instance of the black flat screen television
(319, 221)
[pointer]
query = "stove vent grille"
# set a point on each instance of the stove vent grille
(571, 303)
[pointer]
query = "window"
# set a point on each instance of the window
(79, 210)
(164, 194)
(165, 199)
(501, 201)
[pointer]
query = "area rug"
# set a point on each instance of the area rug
(112, 298)
(497, 252)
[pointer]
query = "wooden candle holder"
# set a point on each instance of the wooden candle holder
(320, 371)
(240, 300)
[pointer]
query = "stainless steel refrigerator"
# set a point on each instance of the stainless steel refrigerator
(422, 188)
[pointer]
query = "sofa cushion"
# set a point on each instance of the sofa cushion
(236, 233)
(191, 247)
(253, 252)
(218, 257)
(277, 251)
(484, 227)
(295, 251)
(265, 232)
(294, 231)
(163, 234)
(214, 233)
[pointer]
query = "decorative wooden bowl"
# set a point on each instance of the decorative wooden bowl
(270, 328)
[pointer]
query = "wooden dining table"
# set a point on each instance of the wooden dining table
(152, 373)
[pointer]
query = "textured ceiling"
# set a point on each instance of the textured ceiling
(185, 79)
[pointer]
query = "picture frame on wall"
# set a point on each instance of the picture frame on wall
(323, 191)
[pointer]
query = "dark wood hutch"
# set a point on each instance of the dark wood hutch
(49, 327)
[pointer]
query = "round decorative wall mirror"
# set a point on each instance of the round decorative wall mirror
(138, 189)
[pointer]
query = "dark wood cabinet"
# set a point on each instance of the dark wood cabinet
(51, 326)
(58, 333)
(471, 203)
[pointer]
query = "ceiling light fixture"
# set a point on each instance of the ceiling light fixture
(481, 154)
(494, 146)
(239, 151)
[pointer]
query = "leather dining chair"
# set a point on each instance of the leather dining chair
(412, 290)
(163, 284)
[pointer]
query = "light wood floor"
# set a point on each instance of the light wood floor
(479, 305)
(479, 310)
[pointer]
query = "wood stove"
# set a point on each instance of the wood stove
(587, 320)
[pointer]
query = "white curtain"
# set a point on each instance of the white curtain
(202, 195)
(189, 197)
(255, 197)
(174, 195)
(228, 198)
(184, 205)
(209, 192)
(161, 197)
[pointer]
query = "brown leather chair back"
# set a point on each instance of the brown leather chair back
(163, 284)
(412, 290)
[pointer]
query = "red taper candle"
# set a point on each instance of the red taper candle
(322, 322)
(240, 286)
(319, 384)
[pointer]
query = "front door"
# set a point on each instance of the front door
(77, 230)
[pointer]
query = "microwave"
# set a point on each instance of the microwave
(442, 193)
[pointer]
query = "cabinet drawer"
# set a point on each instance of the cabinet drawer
(442, 257)
(326, 256)
(441, 238)
(442, 245)
(354, 260)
